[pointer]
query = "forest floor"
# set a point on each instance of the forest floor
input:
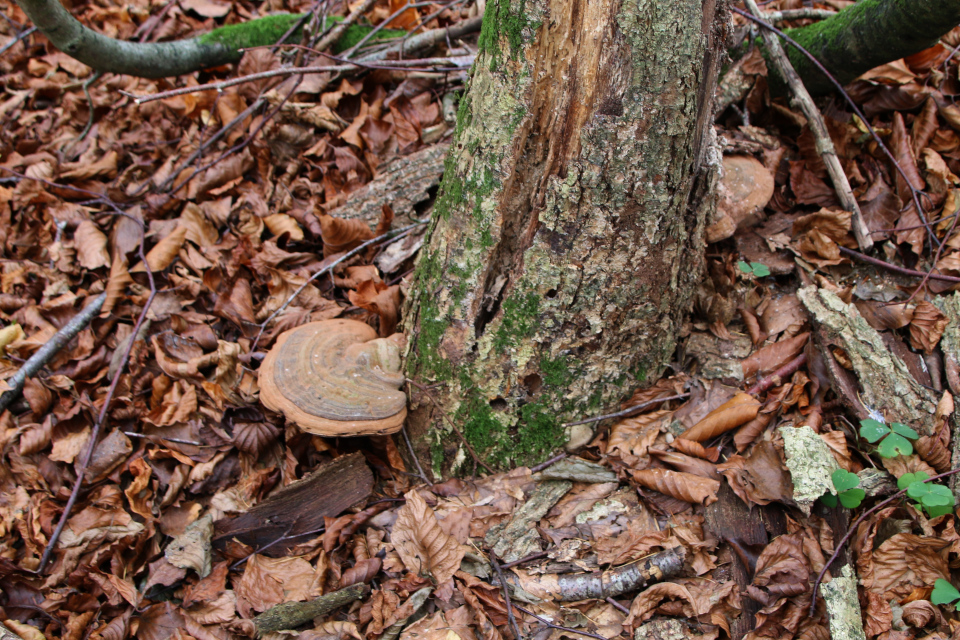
(217, 218)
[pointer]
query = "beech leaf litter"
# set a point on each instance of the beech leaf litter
(806, 434)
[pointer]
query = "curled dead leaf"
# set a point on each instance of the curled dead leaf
(342, 235)
(926, 327)
(682, 486)
(423, 546)
(736, 411)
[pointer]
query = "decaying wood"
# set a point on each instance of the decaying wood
(402, 183)
(519, 537)
(885, 383)
(574, 587)
(729, 518)
(291, 615)
(843, 606)
(567, 239)
(299, 507)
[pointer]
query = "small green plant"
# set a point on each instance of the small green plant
(895, 437)
(756, 269)
(846, 484)
(935, 499)
(945, 593)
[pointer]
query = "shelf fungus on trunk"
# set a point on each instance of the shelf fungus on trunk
(336, 378)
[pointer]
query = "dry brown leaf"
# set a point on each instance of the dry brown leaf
(903, 151)
(91, 245)
(164, 252)
(686, 464)
(199, 230)
(269, 581)
(116, 284)
(382, 300)
(736, 411)
(773, 356)
(760, 478)
(342, 235)
(696, 449)
(682, 486)
(363, 571)
(926, 327)
(423, 546)
(281, 223)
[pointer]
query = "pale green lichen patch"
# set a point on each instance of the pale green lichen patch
(810, 463)
(843, 606)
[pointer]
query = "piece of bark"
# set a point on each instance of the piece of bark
(843, 607)
(402, 183)
(574, 587)
(886, 383)
(730, 519)
(950, 344)
(810, 463)
(299, 507)
(290, 615)
(517, 539)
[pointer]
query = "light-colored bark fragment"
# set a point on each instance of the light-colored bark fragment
(810, 463)
(843, 607)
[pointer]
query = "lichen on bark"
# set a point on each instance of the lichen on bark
(564, 244)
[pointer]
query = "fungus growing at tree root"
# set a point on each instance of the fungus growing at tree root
(336, 378)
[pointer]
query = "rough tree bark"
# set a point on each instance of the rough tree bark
(568, 234)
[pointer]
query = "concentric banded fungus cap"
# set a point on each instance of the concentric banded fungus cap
(336, 378)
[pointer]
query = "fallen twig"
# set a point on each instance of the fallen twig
(101, 418)
(546, 463)
(49, 349)
(557, 626)
(20, 38)
(291, 615)
(892, 267)
(629, 411)
(777, 376)
(506, 595)
(453, 426)
(818, 127)
(413, 454)
(853, 527)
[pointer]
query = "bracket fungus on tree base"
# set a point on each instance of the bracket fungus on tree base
(336, 378)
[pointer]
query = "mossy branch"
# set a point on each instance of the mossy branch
(164, 59)
(868, 34)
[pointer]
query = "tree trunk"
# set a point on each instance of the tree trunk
(568, 234)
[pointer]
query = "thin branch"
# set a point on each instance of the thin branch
(818, 127)
(453, 426)
(617, 605)
(49, 349)
(533, 556)
(777, 376)
(557, 626)
(101, 418)
(390, 235)
(776, 17)
(628, 411)
(892, 267)
(20, 38)
(506, 595)
(413, 454)
(546, 463)
(853, 527)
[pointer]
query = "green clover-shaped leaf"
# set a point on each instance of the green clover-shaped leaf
(851, 499)
(904, 430)
(760, 270)
(938, 496)
(871, 430)
(829, 499)
(944, 592)
(844, 480)
(745, 266)
(918, 490)
(933, 512)
(908, 479)
(895, 445)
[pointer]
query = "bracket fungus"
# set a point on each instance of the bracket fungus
(336, 378)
